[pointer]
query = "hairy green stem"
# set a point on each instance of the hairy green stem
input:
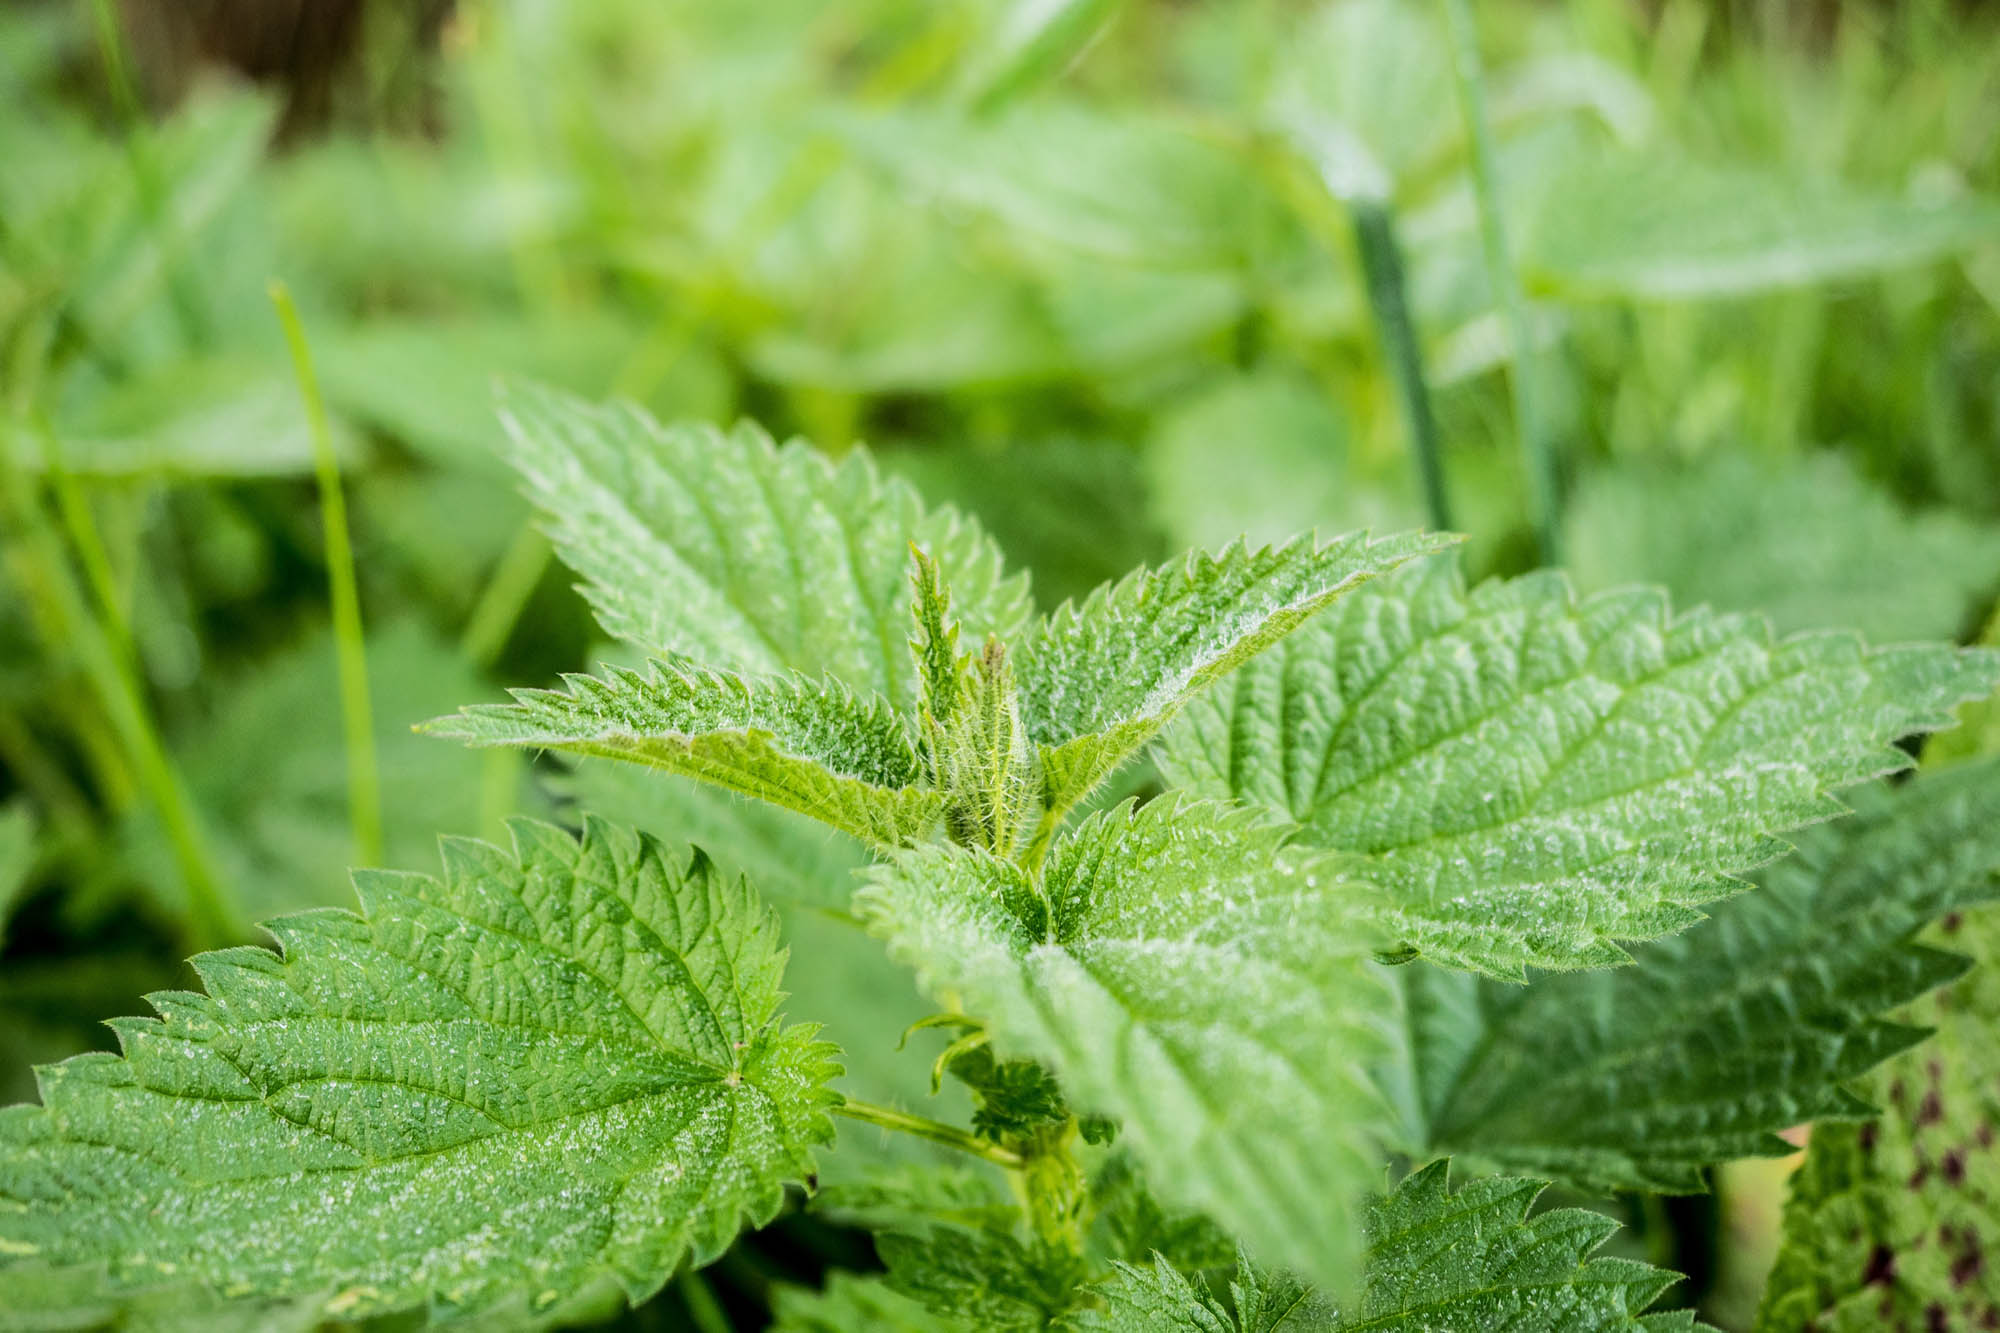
(1382, 266)
(364, 781)
(925, 1128)
(1538, 455)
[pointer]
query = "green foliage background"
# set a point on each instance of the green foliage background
(1098, 281)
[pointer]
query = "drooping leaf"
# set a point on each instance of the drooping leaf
(1712, 1041)
(1648, 226)
(1894, 1224)
(1099, 680)
(1185, 974)
(1813, 546)
(741, 555)
(1535, 777)
(814, 747)
(556, 1072)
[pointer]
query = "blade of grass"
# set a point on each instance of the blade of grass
(1530, 421)
(506, 593)
(364, 781)
(68, 626)
(64, 619)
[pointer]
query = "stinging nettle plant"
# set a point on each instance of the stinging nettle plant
(1429, 880)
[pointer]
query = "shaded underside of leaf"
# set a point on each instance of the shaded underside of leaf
(1536, 777)
(813, 747)
(556, 1072)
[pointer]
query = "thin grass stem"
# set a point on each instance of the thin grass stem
(364, 780)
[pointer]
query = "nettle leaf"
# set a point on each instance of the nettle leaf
(1160, 1300)
(1894, 1224)
(554, 1074)
(1099, 680)
(1436, 1260)
(810, 746)
(990, 1281)
(1535, 777)
(741, 555)
(1474, 1258)
(1712, 1041)
(1185, 973)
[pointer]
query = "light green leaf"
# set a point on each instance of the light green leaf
(1652, 227)
(738, 554)
(1714, 1040)
(1812, 545)
(217, 417)
(429, 381)
(1127, 188)
(1264, 456)
(1099, 680)
(1894, 1224)
(1536, 777)
(1185, 974)
(808, 746)
(556, 1072)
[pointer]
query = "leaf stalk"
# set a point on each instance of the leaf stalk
(935, 1130)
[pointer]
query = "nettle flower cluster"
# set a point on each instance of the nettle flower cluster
(1199, 1031)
